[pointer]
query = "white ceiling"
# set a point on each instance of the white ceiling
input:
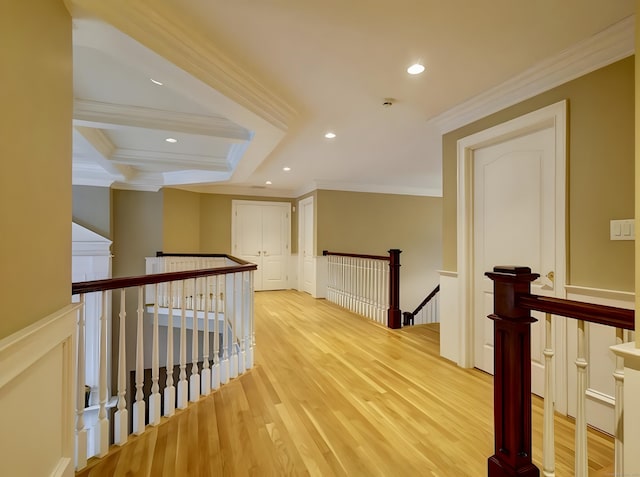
(252, 86)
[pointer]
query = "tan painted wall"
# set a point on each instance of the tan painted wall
(372, 224)
(35, 183)
(215, 221)
(600, 173)
(181, 221)
(92, 208)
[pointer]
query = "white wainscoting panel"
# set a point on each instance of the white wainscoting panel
(37, 405)
(322, 273)
(449, 316)
(600, 381)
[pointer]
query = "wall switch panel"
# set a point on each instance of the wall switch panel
(622, 229)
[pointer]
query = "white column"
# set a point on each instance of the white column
(81, 432)
(205, 379)
(103, 421)
(183, 387)
(154, 399)
(618, 426)
(121, 419)
(194, 379)
(170, 390)
(139, 407)
(548, 434)
(581, 457)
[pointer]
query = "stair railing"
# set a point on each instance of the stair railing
(428, 311)
(212, 310)
(512, 321)
(366, 284)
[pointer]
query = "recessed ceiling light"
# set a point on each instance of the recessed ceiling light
(268, 182)
(415, 69)
(286, 169)
(171, 140)
(159, 83)
(330, 135)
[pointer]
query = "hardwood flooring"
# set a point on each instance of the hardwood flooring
(333, 394)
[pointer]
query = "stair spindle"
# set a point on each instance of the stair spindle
(581, 458)
(194, 380)
(618, 426)
(81, 432)
(170, 390)
(183, 387)
(548, 435)
(103, 421)
(154, 399)
(121, 424)
(205, 379)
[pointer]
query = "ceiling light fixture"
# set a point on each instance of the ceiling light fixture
(330, 135)
(286, 169)
(268, 182)
(171, 140)
(159, 83)
(415, 69)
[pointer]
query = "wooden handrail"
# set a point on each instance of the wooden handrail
(410, 315)
(600, 314)
(126, 282)
(356, 255)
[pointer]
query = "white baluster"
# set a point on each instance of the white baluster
(232, 313)
(251, 332)
(81, 432)
(581, 466)
(170, 390)
(103, 421)
(154, 399)
(618, 426)
(194, 380)
(139, 407)
(183, 388)
(215, 371)
(242, 320)
(205, 379)
(548, 434)
(224, 364)
(121, 419)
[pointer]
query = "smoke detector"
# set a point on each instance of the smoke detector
(388, 102)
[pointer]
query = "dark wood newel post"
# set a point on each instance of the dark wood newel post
(512, 374)
(393, 314)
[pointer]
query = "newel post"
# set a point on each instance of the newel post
(394, 316)
(512, 374)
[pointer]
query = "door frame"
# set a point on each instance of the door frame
(552, 116)
(301, 237)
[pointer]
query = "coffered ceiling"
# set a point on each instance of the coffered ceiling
(249, 88)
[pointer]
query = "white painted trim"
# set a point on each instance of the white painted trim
(47, 344)
(600, 293)
(613, 44)
(447, 273)
(301, 205)
(370, 188)
(555, 116)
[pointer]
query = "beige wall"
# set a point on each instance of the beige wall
(357, 222)
(137, 230)
(600, 173)
(181, 221)
(35, 183)
(92, 208)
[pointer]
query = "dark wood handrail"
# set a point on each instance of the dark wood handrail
(356, 255)
(600, 314)
(410, 315)
(126, 282)
(430, 296)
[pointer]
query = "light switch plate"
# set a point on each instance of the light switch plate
(622, 229)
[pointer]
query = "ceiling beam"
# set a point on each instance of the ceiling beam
(103, 149)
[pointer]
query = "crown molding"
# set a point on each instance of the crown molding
(137, 157)
(369, 188)
(162, 30)
(91, 175)
(99, 113)
(253, 191)
(610, 45)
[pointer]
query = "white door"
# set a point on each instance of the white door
(306, 244)
(260, 234)
(514, 224)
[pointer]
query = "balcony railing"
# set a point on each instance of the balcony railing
(211, 310)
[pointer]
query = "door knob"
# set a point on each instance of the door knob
(551, 276)
(264, 252)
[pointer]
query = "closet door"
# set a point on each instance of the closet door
(260, 234)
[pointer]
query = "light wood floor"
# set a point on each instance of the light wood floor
(333, 394)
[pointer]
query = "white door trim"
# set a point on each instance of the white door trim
(554, 116)
(301, 238)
